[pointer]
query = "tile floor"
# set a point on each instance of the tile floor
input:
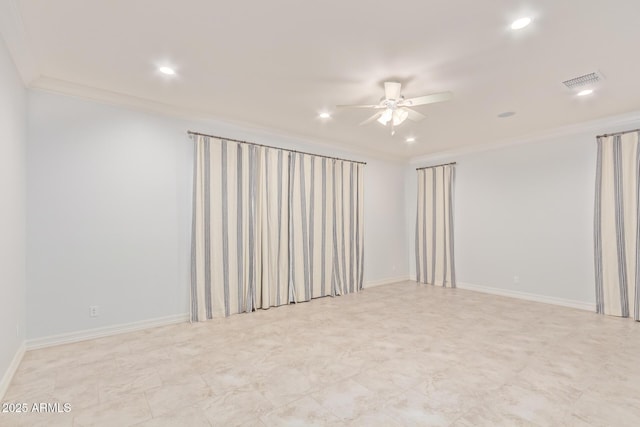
(395, 355)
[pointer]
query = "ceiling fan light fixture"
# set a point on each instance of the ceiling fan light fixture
(399, 116)
(385, 117)
(395, 108)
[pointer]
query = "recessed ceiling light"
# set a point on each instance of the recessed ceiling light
(506, 114)
(519, 24)
(167, 70)
(410, 140)
(585, 92)
(324, 115)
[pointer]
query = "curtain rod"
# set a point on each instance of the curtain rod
(276, 148)
(617, 133)
(435, 166)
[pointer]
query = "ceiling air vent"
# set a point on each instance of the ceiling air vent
(587, 79)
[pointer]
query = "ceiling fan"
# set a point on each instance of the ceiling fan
(394, 109)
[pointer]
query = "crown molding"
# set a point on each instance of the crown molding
(15, 37)
(596, 126)
(146, 105)
(119, 99)
(104, 96)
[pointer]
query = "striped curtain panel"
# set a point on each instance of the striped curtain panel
(270, 228)
(326, 227)
(617, 236)
(273, 207)
(240, 230)
(348, 227)
(435, 263)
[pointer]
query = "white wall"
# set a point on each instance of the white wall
(109, 201)
(385, 253)
(525, 210)
(13, 128)
(109, 213)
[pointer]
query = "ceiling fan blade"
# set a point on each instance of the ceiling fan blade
(414, 115)
(427, 99)
(392, 90)
(360, 106)
(372, 118)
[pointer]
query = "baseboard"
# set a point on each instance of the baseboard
(388, 281)
(11, 371)
(106, 331)
(581, 305)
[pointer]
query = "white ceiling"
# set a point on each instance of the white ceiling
(277, 63)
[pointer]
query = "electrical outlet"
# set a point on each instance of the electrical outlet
(516, 279)
(93, 311)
